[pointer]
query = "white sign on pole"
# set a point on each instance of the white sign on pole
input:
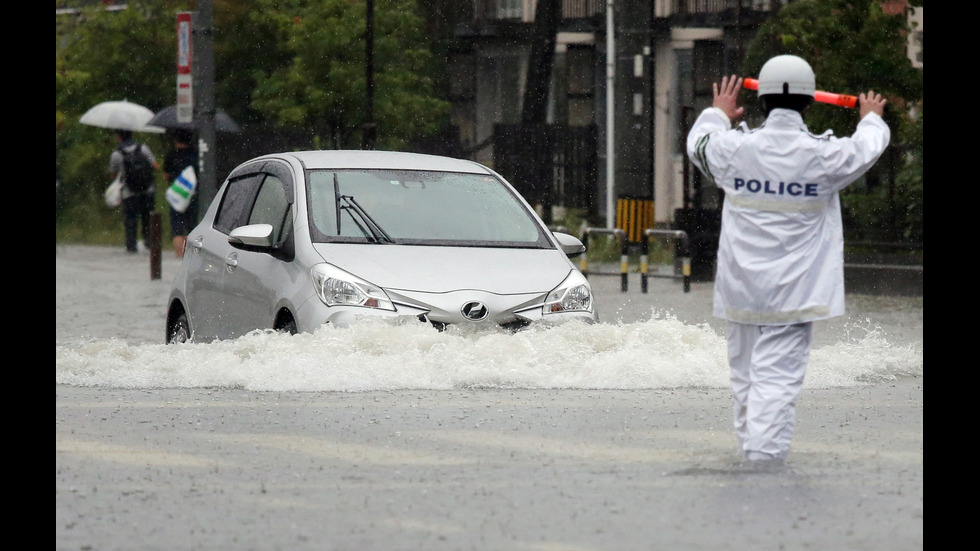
(185, 79)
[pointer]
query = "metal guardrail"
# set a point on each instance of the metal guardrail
(684, 255)
(644, 256)
(623, 258)
(903, 245)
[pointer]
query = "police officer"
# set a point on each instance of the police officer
(781, 249)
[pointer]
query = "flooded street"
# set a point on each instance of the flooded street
(393, 436)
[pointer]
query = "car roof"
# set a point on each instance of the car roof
(340, 159)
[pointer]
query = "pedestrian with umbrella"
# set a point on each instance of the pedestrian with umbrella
(182, 157)
(133, 163)
(181, 166)
(167, 118)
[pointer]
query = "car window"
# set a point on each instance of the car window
(236, 203)
(271, 206)
(420, 207)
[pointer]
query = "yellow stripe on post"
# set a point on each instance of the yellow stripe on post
(634, 216)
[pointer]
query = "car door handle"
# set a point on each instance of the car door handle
(197, 243)
(231, 261)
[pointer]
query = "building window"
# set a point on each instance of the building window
(509, 9)
(581, 85)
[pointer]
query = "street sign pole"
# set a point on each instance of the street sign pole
(204, 108)
(185, 78)
(610, 116)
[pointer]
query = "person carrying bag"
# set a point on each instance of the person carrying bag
(113, 193)
(180, 167)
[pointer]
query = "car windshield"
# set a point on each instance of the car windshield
(412, 207)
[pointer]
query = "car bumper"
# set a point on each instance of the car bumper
(442, 309)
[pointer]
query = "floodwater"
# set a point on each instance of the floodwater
(111, 325)
(661, 352)
(389, 436)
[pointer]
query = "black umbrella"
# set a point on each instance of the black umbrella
(167, 118)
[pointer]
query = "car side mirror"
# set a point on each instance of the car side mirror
(252, 237)
(570, 244)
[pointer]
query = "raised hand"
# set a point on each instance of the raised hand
(871, 102)
(726, 96)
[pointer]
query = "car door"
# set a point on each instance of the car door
(255, 281)
(211, 313)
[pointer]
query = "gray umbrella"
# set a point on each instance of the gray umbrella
(167, 118)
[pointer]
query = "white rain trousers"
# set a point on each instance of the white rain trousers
(767, 367)
(781, 250)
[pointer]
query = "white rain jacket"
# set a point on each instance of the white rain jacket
(781, 249)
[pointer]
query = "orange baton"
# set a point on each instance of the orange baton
(823, 97)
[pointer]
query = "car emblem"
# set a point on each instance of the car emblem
(474, 310)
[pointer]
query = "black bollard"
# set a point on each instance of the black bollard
(644, 261)
(624, 259)
(583, 259)
(155, 244)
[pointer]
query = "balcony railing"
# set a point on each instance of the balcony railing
(523, 10)
(575, 9)
(665, 8)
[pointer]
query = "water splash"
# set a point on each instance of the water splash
(864, 356)
(381, 354)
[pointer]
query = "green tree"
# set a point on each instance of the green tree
(853, 46)
(323, 84)
(909, 181)
(292, 63)
(250, 42)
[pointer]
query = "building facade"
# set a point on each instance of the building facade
(663, 59)
(664, 56)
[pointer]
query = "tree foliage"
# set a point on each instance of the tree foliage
(298, 63)
(323, 82)
(853, 46)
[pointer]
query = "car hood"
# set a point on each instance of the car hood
(445, 269)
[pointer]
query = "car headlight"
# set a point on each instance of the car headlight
(573, 295)
(336, 287)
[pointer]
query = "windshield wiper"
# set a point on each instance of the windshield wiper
(376, 231)
(336, 200)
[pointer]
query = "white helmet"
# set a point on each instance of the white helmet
(787, 74)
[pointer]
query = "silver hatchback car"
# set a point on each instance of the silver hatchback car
(296, 240)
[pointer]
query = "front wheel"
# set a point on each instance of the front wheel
(286, 324)
(179, 331)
